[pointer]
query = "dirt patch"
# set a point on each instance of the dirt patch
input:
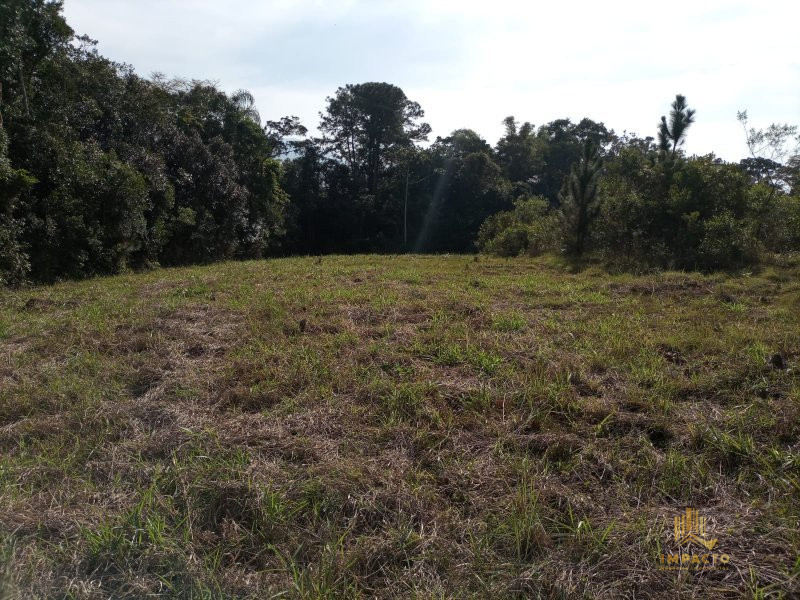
(662, 288)
(196, 333)
(561, 445)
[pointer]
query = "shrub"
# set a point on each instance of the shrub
(695, 213)
(727, 243)
(532, 228)
(775, 219)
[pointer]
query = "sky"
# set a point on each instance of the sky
(471, 64)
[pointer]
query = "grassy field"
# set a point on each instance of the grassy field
(430, 427)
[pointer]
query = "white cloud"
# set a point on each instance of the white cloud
(472, 63)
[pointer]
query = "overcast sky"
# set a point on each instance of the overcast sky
(470, 64)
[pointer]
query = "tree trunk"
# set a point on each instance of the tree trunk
(24, 92)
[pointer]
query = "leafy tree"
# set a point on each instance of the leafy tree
(579, 197)
(520, 154)
(792, 171)
(31, 31)
(364, 124)
(560, 145)
(774, 153)
(245, 103)
(286, 135)
(776, 143)
(14, 263)
(129, 173)
(468, 187)
(304, 181)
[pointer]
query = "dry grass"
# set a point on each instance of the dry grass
(398, 427)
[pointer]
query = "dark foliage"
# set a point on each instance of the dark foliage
(652, 207)
(102, 171)
(109, 171)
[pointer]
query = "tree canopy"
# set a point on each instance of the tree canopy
(103, 171)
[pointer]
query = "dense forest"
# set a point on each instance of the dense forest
(103, 171)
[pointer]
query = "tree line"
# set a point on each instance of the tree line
(103, 171)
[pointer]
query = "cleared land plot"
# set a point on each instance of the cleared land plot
(398, 426)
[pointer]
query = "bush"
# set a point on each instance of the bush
(727, 243)
(696, 213)
(775, 219)
(532, 228)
